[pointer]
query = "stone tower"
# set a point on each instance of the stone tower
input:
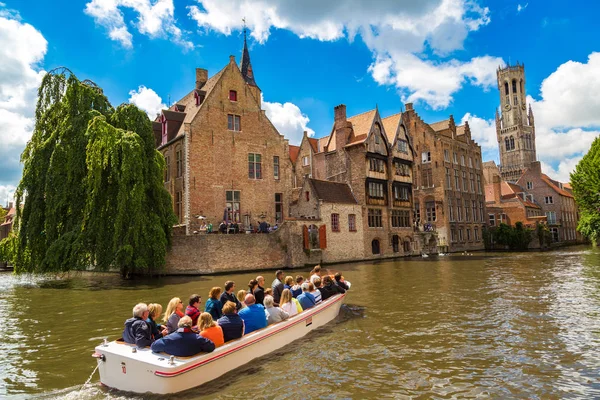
(515, 128)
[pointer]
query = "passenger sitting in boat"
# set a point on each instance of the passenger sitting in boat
(339, 280)
(213, 305)
(173, 314)
(253, 315)
(137, 331)
(297, 288)
(210, 330)
(184, 342)
(314, 290)
(315, 273)
(274, 314)
(289, 304)
(259, 291)
(329, 288)
(277, 286)
(306, 299)
(231, 323)
(154, 311)
(288, 282)
(241, 295)
(229, 296)
(192, 310)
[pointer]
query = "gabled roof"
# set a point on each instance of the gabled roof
(554, 185)
(333, 192)
(440, 125)
(508, 188)
(390, 126)
(294, 151)
(361, 125)
(314, 143)
(460, 130)
(323, 142)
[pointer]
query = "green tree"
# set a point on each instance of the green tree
(585, 181)
(92, 185)
(3, 213)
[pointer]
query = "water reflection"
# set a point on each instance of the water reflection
(509, 325)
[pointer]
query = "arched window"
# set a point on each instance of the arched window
(522, 86)
(512, 143)
(375, 246)
(514, 86)
(506, 88)
(406, 246)
(506, 144)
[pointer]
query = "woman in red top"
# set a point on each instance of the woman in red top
(210, 330)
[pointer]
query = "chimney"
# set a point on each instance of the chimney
(408, 106)
(201, 77)
(232, 59)
(536, 168)
(339, 113)
(10, 205)
(497, 188)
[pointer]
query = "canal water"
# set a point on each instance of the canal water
(486, 325)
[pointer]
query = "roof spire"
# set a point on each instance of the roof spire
(246, 66)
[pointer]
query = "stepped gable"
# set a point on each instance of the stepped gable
(333, 192)
(440, 125)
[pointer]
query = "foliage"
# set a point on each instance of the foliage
(3, 213)
(487, 238)
(543, 234)
(515, 238)
(92, 185)
(8, 248)
(585, 181)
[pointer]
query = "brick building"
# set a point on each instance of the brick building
(556, 200)
(303, 162)
(7, 222)
(333, 220)
(448, 192)
(508, 203)
(374, 157)
(224, 158)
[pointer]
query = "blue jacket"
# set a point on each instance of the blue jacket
(183, 343)
(306, 300)
(214, 307)
(138, 332)
(254, 317)
(232, 325)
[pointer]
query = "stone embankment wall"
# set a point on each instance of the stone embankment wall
(218, 253)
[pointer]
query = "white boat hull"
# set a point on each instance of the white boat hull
(144, 371)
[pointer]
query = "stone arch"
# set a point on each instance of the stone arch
(512, 143)
(407, 245)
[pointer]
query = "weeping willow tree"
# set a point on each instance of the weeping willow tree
(92, 185)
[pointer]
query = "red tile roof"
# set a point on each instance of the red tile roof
(440, 125)
(294, 151)
(333, 192)
(554, 185)
(314, 143)
(390, 126)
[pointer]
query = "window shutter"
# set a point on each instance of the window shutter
(305, 237)
(323, 236)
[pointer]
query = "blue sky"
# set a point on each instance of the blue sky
(309, 56)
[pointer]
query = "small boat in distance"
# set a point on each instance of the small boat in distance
(124, 367)
(424, 255)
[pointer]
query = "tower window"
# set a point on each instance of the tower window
(506, 88)
(514, 86)
(507, 144)
(522, 86)
(512, 143)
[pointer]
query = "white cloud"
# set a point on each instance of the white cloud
(147, 100)
(483, 131)
(7, 194)
(22, 49)
(521, 7)
(154, 19)
(397, 33)
(289, 120)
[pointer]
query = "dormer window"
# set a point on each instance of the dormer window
(197, 98)
(232, 95)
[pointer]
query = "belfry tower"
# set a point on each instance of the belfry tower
(515, 128)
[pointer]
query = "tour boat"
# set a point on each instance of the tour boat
(124, 367)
